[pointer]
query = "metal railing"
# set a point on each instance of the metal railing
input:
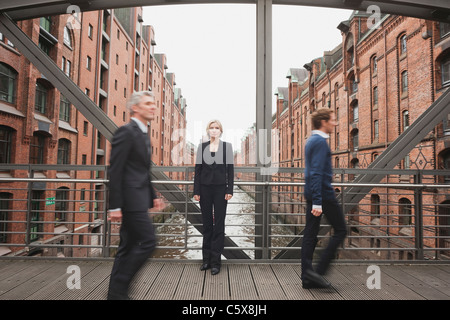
(60, 211)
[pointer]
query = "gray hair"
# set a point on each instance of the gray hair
(136, 98)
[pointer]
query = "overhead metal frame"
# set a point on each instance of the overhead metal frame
(430, 9)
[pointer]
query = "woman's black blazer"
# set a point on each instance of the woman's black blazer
(214, 168)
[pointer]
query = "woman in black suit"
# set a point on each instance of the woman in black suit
(213, 187)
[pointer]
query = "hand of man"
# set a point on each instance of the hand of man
(316, 212)
(115, 216)
(228, 196)
(196, 197)
(158, 205)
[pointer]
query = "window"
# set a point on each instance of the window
(355, 139)
(67, 37)
(61, 204)
(445, 67)
(8, 78)
(355, 110)
(405, 119)
(405, 212)
(4, 215)
(90, 31)
(403, 47)
(375, 131)
(83, 159)
(63, 151)
(36, 206)
(66, 66)
(89, 63)
(5, 144)
(41, 98)
(85, 128)
(375, 206)
(404, 82)
(64, 109)
(37, 149)
(444, 29)
(46, 23)
(374, 65)
(375, 97)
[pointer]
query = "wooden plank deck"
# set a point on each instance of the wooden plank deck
(41, 279)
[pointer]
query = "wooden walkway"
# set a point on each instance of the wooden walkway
(41, 279)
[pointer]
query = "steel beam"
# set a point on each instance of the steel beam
(263, 119)
(27, 9)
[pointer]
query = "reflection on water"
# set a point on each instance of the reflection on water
(239, 226)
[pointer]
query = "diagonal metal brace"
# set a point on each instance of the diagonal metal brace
(57, 77)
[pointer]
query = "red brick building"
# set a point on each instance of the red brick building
(108, 55)
(378, 81)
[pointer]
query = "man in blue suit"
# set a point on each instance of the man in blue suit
(320, 198)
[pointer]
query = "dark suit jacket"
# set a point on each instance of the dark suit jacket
(130, 186)
(215, 168)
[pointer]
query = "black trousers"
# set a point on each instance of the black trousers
(137, 242)
(334, 215)
(214, 207)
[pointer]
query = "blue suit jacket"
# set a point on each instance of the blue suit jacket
(318, 170)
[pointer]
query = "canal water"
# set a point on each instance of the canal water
(239, 226)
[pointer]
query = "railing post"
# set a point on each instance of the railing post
(30, 191)
(418, 215)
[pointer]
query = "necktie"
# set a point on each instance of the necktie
(147, 142)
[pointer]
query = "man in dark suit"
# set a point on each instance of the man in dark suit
(131, 194)
(320, 198)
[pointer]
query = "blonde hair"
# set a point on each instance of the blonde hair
(210, 123)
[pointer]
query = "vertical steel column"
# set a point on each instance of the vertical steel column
(418, 217)
(263, 120)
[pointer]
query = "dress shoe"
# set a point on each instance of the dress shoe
(215, 271)
(204, 267)
(312, 279)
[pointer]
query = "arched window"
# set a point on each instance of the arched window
(403, 46)
(375, 206)
(8, 84)
(404, 212)
(354, 139)
(374, 65)
(445, 71)
(355, 111)
(67, 37)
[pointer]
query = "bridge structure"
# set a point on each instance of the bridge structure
(262, 278)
